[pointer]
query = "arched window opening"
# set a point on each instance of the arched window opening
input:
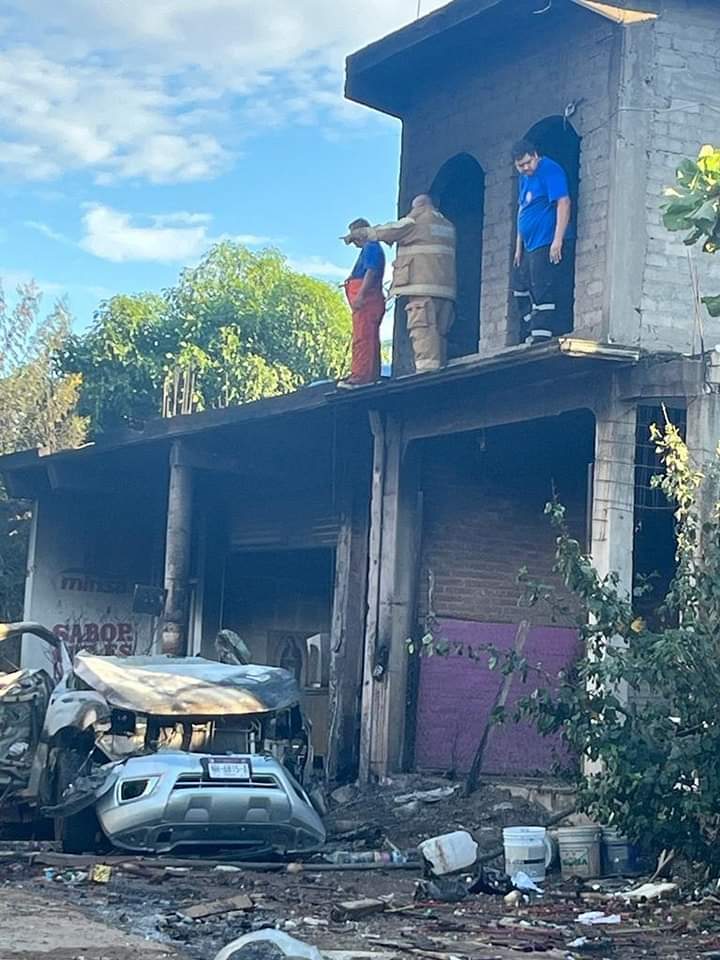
(556, 138)
(459, 193)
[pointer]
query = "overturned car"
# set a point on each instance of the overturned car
(154, 753)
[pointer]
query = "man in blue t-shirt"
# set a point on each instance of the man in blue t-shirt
(364, 291)
(542, 278)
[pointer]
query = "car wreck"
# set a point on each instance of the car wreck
(155, 753)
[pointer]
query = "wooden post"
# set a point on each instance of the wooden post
(177, 555)
(346, 636)
(393, 543)
(377, 426)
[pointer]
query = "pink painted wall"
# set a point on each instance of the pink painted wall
(456, 695)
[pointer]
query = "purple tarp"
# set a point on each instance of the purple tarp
(456, 695)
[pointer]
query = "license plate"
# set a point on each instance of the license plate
(231, 769)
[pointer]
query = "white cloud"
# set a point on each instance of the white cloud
(318, 267)
(112, 235)
(178, 237)
(166, 90)
(47, 231)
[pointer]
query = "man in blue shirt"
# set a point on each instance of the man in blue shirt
(364, 291)
(542, 278)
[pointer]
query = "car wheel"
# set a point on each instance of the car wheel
(79, 832)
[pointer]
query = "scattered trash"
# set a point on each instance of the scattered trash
(198, 911)
(595, 918)
(344, 795)
(355, 909)
(526, 884)
(291, 948)
(367, 856)
(650, 891)
(579, 943)
(444, 889)
(314, 922)
(490, 881)
(428, 796)
(449, 853)
(101, 873)
(514, 899)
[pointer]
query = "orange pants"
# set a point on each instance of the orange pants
(366, 320)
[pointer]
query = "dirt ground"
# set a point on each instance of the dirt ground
(51, 907)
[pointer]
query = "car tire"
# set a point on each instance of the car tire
(79, 832)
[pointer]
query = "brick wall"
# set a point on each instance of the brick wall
(483, 516)
(493, 101)
(685, 79)
(483, 500)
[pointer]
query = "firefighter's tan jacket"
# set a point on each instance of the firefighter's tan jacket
(425, 262)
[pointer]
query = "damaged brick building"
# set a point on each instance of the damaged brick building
(327, 527)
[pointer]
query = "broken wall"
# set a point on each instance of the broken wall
(83, 563)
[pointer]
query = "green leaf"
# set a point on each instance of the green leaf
(713, 305)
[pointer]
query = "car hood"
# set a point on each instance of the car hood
(188, 686)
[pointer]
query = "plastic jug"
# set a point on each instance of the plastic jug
(449, 852)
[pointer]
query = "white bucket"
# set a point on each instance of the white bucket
(580, 851)
(450, 852)
(527, 849)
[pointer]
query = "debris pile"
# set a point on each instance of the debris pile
(388, 888)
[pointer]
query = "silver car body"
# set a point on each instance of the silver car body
(173, 752)
(182, 805)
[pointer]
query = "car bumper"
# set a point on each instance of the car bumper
(182, 806)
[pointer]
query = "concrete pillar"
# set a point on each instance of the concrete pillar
(394, 540)
(703, 432)
(177, 555)
(613, 501)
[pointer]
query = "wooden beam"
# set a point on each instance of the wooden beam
(347, 634)
(377, 427)
(513, 404)
(394, 542)
(73, 477)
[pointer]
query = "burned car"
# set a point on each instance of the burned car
(155, 753)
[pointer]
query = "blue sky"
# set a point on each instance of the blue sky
(134, 133)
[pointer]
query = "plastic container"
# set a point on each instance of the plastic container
(450, 852)
(289, 947)
(527, 850)
(580, 851)
(619, 856)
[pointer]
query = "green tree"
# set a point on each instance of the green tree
(693, 205)
(38, 407)
(245, 324)
(122, 359)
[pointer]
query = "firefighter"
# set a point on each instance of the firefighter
(424, 273)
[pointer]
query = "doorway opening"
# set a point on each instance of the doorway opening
(458, 191)
(557, 139)
(280, 603)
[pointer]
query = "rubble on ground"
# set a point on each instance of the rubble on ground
(388, 906)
